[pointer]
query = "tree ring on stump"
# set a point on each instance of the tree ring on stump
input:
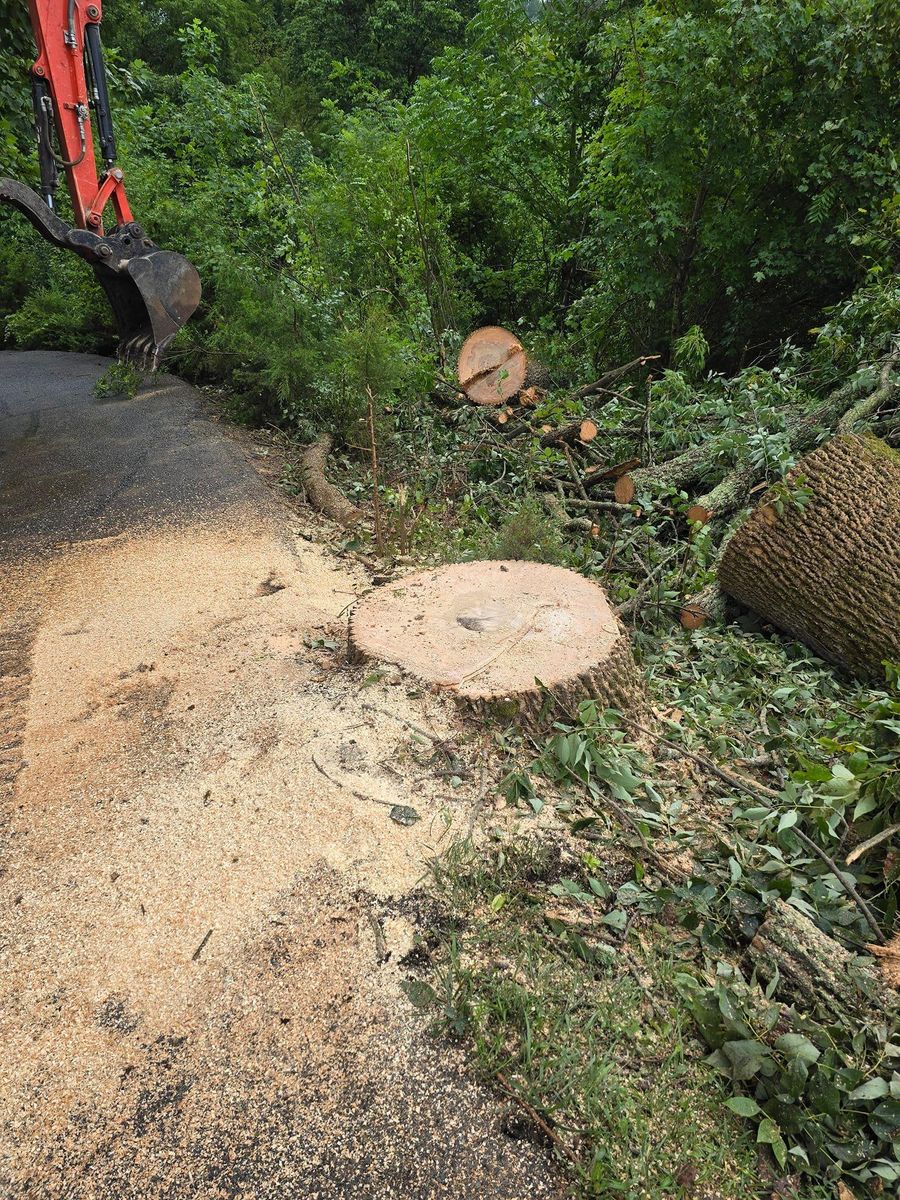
(492, 365)
(502, 633)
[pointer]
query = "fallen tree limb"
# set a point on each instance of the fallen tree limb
(604, 381)
(815, 971)
(866, 408)
(855, 400)
(321, 494)
(594, 475)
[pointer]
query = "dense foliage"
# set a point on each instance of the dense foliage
(606, 176)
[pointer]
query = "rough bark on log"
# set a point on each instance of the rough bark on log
(537, 376)
(816, 972)
(828, 572)
(321, 494)
(509, 640)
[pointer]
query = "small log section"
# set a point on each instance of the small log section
(816, 972)
(829, 572)
(321, 494)
(492, 366)
(500, 635)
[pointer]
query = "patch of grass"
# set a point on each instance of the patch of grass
(121, 379)
(582, 1027)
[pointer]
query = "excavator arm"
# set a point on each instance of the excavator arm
(152, 292)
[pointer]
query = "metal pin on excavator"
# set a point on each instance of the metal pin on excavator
(152, 291)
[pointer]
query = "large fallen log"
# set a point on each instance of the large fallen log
(321, 494)
(820, 556)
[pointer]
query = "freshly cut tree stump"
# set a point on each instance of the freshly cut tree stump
(500, 636)
(492, 365)
(828, 571)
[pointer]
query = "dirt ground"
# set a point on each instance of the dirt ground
(206, 898)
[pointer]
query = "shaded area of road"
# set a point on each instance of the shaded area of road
(74, 467)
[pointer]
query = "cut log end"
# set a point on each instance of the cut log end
(492, 366)
(692, 617)
(624, 490)
(509, 640)
(705, 606)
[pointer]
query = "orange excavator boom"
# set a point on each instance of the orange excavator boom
(152, 291)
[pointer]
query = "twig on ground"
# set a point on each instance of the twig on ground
(340, 784)
(199, 949)
(871, 843)
(536, 1117)
(432, 737)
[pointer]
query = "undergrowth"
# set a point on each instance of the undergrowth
(657, 869)
(545, 995)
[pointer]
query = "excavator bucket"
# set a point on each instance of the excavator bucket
(151, 299)
(152, 292)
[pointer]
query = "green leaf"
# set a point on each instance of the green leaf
(769, 1134)
(418, 992)
(744, 1106)
(599, 887)
(872, 1089)
(795, 1045)
(746, 1057)
(889, 1112)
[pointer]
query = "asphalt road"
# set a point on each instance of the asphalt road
(74, 467)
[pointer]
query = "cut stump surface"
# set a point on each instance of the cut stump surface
(489, 631)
